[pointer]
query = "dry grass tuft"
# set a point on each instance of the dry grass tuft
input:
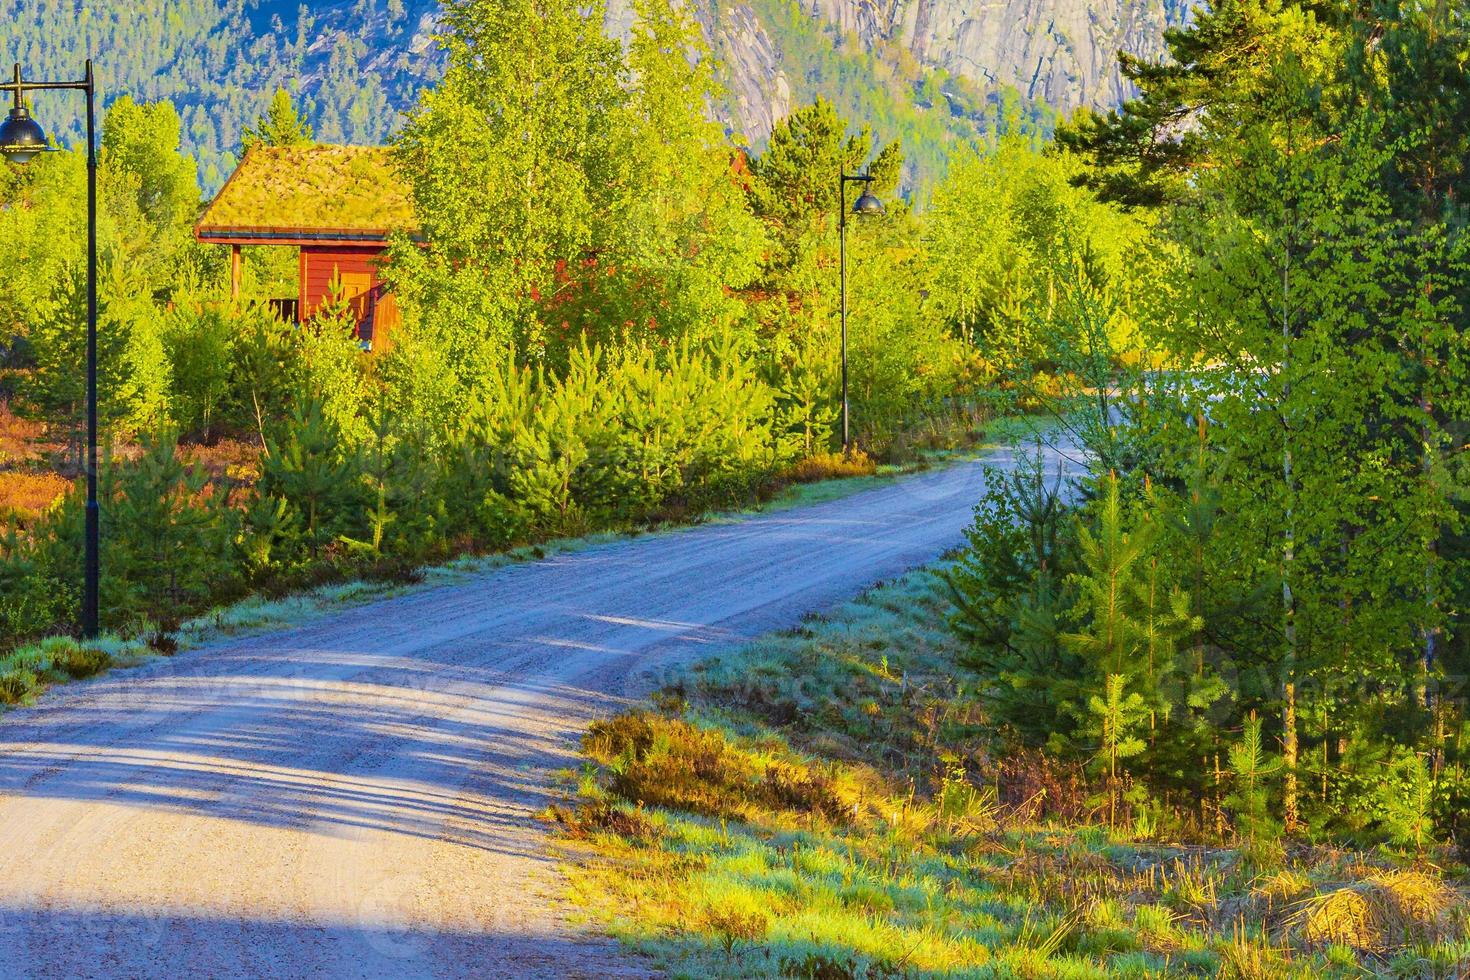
(78, 662)
(227, 459)
(1281, 886)
(736, 924)
(26, 671)
(602, 816)
(831, 466)
(1387, 910)
(667, 762)
(1246, 956)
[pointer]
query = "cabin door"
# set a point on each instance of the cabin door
(356, 287)
(357, 293)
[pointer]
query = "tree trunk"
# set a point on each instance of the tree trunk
(1289, 759)
(1288, 558)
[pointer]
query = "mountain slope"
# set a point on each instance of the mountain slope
(933, 72)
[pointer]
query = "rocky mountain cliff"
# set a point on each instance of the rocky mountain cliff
(1063, 52)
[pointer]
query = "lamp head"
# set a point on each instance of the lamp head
(21, 137)
(867, 204)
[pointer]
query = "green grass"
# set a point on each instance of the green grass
(28, 671)
(820, 803)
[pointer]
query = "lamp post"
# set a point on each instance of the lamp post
(866, 204)
(21, 140)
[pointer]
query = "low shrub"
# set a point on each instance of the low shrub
(670, 763)
(603, 816)
(34, 600)
(25, 494)
(16, 684)
(81, 662)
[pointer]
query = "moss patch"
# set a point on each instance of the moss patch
(345, 188)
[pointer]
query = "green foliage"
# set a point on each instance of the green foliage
(795, 180)
(34, 599)
(307, 469)
(262, 372)
(393, 472)
(348, 482)
(510, 160)
(1225, 58)
(617, 437)
(328, 362)
(167, 544)
(1249, 769)
(1010, 593)
(900, 368)
(684, 237)
(140, 146)
(281, 125)
(1113, 720)
(1106, 581)
(147, 200)
(131, 365)
(943, 858)
(612, 319)
(619, 220)
(1010, 291)
(200, 346)
(1271, 541)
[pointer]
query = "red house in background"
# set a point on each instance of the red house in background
(338, 205)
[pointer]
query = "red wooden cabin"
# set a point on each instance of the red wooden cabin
(338, 205)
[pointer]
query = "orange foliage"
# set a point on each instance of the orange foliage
(27, 494)
(18, 436)
(227, 458)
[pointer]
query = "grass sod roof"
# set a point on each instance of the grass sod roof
(310, 190)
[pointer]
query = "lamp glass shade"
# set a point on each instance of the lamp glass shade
(21, 137)
(868, 204)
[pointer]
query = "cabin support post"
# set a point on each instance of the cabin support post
(237, 268)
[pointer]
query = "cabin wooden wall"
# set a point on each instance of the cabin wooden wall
(358, 267)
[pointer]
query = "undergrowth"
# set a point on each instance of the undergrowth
(26, 672)
(822, 478)
(826, 803)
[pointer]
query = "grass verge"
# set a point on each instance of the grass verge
(28, 670)
(822, 804)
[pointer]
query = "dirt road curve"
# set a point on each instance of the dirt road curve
(355, 798)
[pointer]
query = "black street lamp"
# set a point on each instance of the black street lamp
(21, 139)
(865, 205)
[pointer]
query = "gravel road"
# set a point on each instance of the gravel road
(356, 797)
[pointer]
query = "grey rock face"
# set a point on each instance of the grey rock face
(1063, 52)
